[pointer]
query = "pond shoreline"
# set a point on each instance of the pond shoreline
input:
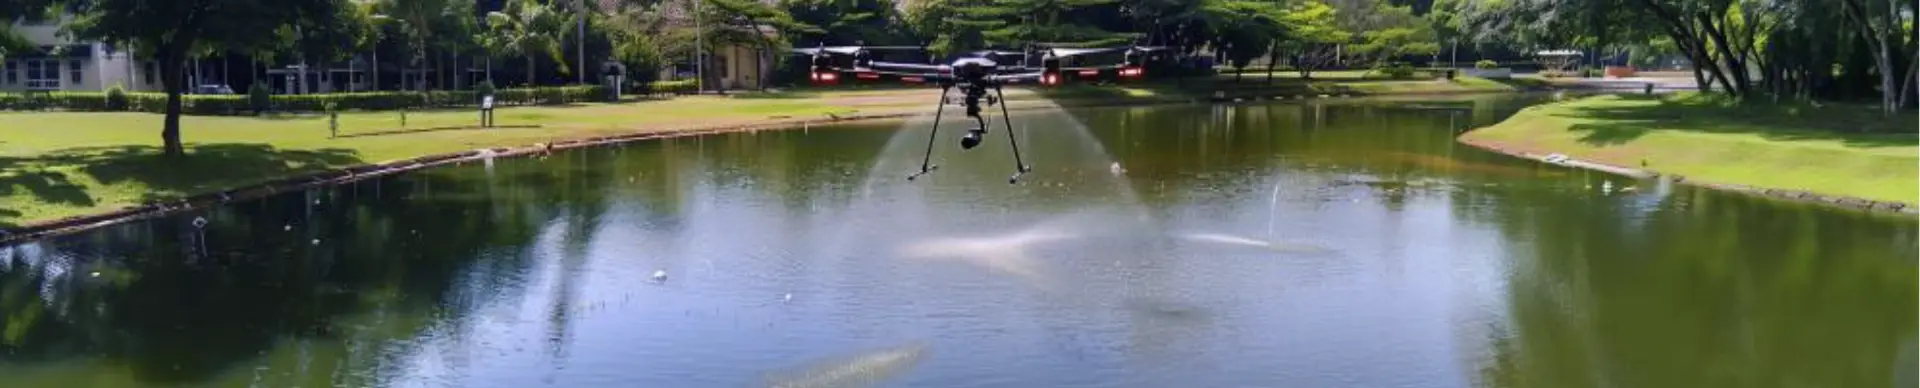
(345, 175)
(1839, 201)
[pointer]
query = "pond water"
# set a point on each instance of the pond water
(1334, 244)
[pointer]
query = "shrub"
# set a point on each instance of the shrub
(116, 98)
(1486, 64)
(259, 97)
(671, 87)
(1588, 72)
(1399, 70)
(484, 88)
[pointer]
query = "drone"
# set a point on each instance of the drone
(975, 74)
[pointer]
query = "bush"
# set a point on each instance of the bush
(1400, 70)
(485, 88)
(672, 87)
(1486, 64)
(259, 97)
(116, 99)
(237, 104)
(1588, 72)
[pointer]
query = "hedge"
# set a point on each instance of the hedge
(231, 104)
(684, 86)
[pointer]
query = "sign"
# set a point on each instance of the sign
(486, 102)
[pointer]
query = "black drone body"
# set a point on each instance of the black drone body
(980, 77)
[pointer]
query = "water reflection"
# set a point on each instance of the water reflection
(1454, 267)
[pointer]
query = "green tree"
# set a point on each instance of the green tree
(1316, 36)
(171, 32)
(1392, 32)
(529, 29)
(844, 22)
(1243, 30)
(10, 41)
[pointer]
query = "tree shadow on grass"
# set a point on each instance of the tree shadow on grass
(50, 178)
(1852, 125)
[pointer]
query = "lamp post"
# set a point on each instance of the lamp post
(699, 52)
(580, 43)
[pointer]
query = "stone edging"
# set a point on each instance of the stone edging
(1791, 195)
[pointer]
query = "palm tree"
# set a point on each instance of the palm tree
(527, 28)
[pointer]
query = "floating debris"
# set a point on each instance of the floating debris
(316, 241)
(289, 227)
(1116, 169)
(94, 274)
(200, 222)
(660, 275)
(787, 298)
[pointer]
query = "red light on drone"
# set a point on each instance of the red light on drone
(1132, 72)
(912, 79)
(868, 75)
(1089, 73)
(824, 77)
(1050, 79)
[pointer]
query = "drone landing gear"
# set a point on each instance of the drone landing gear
(926, 162)
(977, 134)
(1020, 166)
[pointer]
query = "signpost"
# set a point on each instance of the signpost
(486, 111)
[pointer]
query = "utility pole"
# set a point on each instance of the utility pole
(699, 52)
(580, 43)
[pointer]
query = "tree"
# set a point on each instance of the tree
(845, 22)
(527, 28)
(758, 23)
(1316, 36)
(1243, 30)
(17, 10)
(1392, 32)
(170, 32)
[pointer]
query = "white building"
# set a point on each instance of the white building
(65, 64)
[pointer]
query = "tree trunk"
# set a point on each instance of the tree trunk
(530, 75)
(171, 79)
(1906, 88)
(1700, 80)
(1735, 67)
(1273, 54)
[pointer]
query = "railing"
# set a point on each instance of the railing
(43, 84)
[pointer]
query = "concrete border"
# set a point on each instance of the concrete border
(1853, 203)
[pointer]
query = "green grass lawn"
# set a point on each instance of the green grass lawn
(1836, 149)
(61, 164)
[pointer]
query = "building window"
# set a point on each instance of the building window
(146, 72)
(11, 77)
(43, 74)
(75, 72)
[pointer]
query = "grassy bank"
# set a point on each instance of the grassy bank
(1835, 149)
(62, 164)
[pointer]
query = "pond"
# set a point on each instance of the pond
(1327, 244)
